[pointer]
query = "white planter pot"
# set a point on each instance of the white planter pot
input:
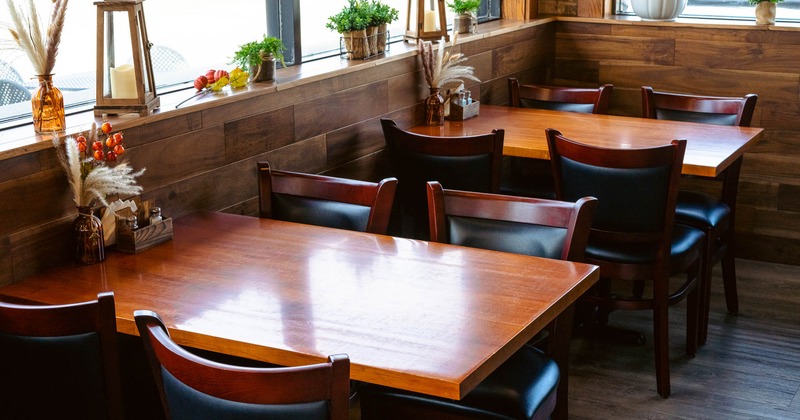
(658, 10)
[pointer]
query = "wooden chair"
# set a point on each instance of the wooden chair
(532, 177)
(12, 92)
(60, 361)
(471, 163)
(192, 387)
(539, 227)
(633, 236)
(325, 201)
(713, 214)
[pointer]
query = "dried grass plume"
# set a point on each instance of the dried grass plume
(443, 66)
(38, 43)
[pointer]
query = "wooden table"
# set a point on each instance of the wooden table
(420, 316)
(710, 149)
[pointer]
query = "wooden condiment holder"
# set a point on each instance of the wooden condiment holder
(134, 241)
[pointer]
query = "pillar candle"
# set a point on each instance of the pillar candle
(430, 21)
(123, 82)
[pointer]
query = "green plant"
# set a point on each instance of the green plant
(464, 6)
(383, 13)
(754, 2)
(353, 17)
(253, 53)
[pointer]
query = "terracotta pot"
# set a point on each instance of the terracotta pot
(658, 10)
(765, 13)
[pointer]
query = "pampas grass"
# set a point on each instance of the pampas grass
(90, 180)
(40, 46)
(442, 66)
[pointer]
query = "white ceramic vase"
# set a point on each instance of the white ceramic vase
(658, 10)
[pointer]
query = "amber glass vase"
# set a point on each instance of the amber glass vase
(87, 232)
(434, 108)
(48, 106)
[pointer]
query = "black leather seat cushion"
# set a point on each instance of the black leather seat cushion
(521, 388)
(683, 239)
(701, 210)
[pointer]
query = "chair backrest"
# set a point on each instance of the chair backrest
(324, 200)
(720, 110)
(470, 163)
(12, 92)
(60, 361)
(8, 72)
(531, 226)
(559, 98)
(192, 387)
(167, 59)
(636, 189)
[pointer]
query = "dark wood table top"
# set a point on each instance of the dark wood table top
(414, 315)
(710, 148)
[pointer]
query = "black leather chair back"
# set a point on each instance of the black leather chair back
(60, 361)
(463, 163)
(312, 211)
(518, 238)
(701, 117)
(557, 106)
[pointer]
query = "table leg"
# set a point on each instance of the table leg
(559, 351)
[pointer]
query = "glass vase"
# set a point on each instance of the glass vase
(87, 231)
(434, 108)
(47, 105)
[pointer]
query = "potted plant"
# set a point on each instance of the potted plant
(351, 22)
(259, 57)
(465, 21)
(382, 15)
(765, 11)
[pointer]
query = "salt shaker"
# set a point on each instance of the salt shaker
(155, 215)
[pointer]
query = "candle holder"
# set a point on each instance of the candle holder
(123, 87)
(424, 28)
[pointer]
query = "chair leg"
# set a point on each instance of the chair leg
(661, 335)
(693, 310)
(729, 281)
(704, 286)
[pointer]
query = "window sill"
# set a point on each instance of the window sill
(688, 22)
(21, 140)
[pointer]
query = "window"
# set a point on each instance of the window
(189, 37)
(789, 10)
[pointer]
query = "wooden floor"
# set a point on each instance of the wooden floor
(748, 369)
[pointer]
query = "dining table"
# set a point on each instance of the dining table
(710, 149)
(415, 315)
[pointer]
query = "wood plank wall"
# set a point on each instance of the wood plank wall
(206, 160)
(706, 60)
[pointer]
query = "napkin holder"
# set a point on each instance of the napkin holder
(460, 112)
(135, 241)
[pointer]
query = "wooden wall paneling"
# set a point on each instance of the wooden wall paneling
(6, 269)
(737, 55)
(243, 106)
(331, 112)
(308, 155)
(258, 133)
(568, 27)
(161, 129)
(592, 8)
(353, 141)
(789, 198)
(631, 49)
(406, 90)
(519, 56)
(372, 167)
(576, 72)
(29, 200)
(27, 164)
(210, 190)
(768, 248)
(178, 157)
(41, 247)
(755, 193)
(777, 141)
(771, 167)
(558, 7)
(516, 9)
